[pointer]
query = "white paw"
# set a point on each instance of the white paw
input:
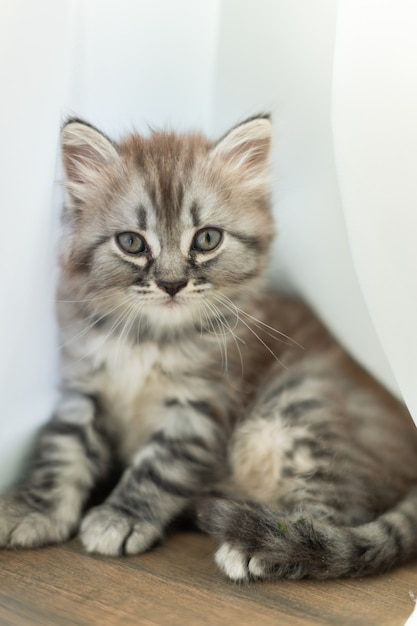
(23, 527)
(232, 561)
(256, 568)
(108, 531)
(238, 566)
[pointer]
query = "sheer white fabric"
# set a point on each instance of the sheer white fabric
(375, 139)
(345, 240)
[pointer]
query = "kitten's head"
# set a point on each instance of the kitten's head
(169, 226)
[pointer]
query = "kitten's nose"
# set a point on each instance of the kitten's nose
(172, 287)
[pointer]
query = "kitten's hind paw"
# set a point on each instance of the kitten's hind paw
(219, 518)
(255, 544)
(109, 531)
(22, 526)
(233, 562)
(237, 565)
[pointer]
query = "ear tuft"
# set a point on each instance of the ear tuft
(86, 152)
(246, 148)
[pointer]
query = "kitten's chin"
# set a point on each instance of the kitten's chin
(171, 315)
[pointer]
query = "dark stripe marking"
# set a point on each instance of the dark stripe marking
(142, 218)
(203, 407)
(393, 532)
(195, 214)
(172, 402)
(173, 444)
(147, 472)
(135, 507)
(40, 503)
(57, 427)
(298, 408)
(178, 450)
(83, 262)
(287, 385)
(251, 242)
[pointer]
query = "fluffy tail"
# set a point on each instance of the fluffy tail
(260, 543)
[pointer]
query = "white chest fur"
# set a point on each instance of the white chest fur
(125, 370)
(121, 375)
(133, 383)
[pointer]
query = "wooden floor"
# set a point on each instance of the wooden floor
(177, 584)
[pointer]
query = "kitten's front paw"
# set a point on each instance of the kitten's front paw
(24, 527)
(107, 530)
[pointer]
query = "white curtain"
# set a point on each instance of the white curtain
(375, 141)
(339, 79)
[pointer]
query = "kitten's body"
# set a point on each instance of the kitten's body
(173, 369)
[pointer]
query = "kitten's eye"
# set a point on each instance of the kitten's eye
(207, 239)
(132, 243)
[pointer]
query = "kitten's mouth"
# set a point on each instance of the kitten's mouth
(171, 303)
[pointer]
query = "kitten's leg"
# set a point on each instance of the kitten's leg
(293, 458)
(179, 462)
(68, 458)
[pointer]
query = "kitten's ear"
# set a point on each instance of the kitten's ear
(86, 154)
(246, 149)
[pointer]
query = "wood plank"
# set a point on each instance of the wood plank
(177, 584)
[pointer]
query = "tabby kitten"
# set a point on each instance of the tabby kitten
(291, 456)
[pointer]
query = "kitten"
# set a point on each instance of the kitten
(292, 457)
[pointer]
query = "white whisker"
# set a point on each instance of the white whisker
(124, 334)
(105, 297)
(262, 325)
(221, 325)
(236, 310)
(212, 330)
(90, 326)
(234, 336)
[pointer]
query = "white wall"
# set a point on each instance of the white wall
(29, 126)
(139, 62)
